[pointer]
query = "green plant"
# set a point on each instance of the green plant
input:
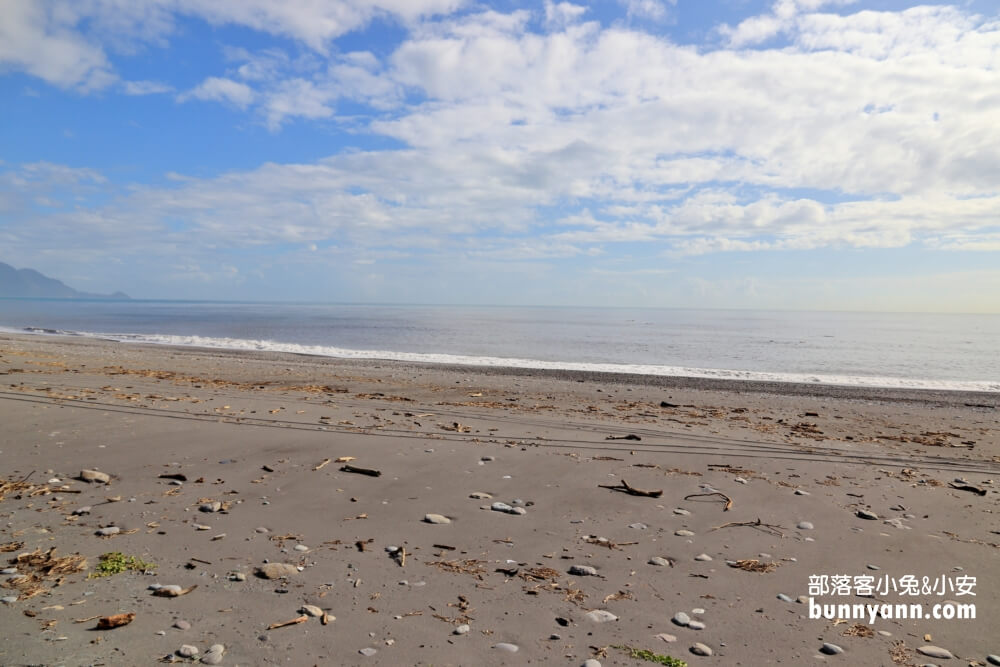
(115, 562)
(649, 656)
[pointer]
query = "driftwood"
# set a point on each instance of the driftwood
(115, 621)
(630, 436)
(631, 490)
(320, 465)
(729, 501)
(285, 624)
(361, 471)
(968, 487)
(769, 528)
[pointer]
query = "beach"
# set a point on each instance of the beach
(518, 516)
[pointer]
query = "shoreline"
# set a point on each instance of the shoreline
(950, 397)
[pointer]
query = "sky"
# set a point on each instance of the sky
(794, 154)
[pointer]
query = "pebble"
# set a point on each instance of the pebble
(704, 558)
(110, 530)
(683, 533)
(210, 507)
(200, 526)
(698, 611)
(865, 514)
(600, 616)
(897, 523)
(638, 526)
(488, 459)
(696, 625)
(591, 663)
(301, 547)
(261, 529)
(92, 476)
(800, 492)
(663, 636)
(462, 629)
(993, 659)
(802, 599)
(740, 480)
(681, 619)
(368, 652)
(873, 567)
(784, 598)
(237, 576)
(504, 646)
(439, 519)
(80, 511)
(681, 512)
(481, 495)
(182, 625)
(501, 507)
(701, 649)
(311, 610)
(9, 570)
(657, 560)
(805, 525)
(161, 633)
(277, 570)
(519, 511)
(583, 571)
(884, 633)
(830, 649)
(213, 655)
(935, 652)
(188, 651)
(9, 599)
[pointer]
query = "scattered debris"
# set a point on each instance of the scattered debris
(361, 471)
(320, 465)
(173, 591)
(467, 566)
(624, 487)
(769, 528)
(968, 487)
(115, 621)
(630, 436)
(285, 624)
(115, 562)
(729, 501)
(754, 565)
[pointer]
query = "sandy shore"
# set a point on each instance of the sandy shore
(257, 438)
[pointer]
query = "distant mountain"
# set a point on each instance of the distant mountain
(30, 283)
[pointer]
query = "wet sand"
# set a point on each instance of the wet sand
(260, 434)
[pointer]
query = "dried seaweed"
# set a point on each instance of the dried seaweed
(754, 565)
(858, 630)
(467, 566)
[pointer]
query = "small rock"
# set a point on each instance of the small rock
(657, 560)
(80, 511)
(214, 506)
(805, 525)
(591, 663)
(884, 633)
(663, 636)
(683, 533)
(801, 492)
(518, 511)
(701, 649)
(802, 599)
(213, 656)
(784, 598)
(301, 547)
(9, 599)
(935, 652)
(462, 629)
(600, 616)
(865, 514)
(740, 480)
(182, 625)
(681, 512)
(504, 646)
(681, 619)
(488, 459)
(696, 625)
(9, 570)
(237, 576)
(199, 526)
(555, 637)
(188, 651)
(368, 652)
(638, 526)
(703, 558)
(480, 495)
(261, 529)
(311, 610)
(993, 659)
(873, 567)
(438, 519)
(583, 571)
(276, 570)
(95, 476)
(830, 649)
(107, 532)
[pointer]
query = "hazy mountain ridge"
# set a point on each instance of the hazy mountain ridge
(30, 283)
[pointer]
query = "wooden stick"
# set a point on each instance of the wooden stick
(402, 557)
(729, 501)
(624, 487)
(361, 471)
(284, 624)
(320, 466)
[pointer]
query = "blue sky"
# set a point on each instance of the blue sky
(820, 154)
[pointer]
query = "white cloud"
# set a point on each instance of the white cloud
(653, 10)
(561, 14)
(145, 87)
(219, 89)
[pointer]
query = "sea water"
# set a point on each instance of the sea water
(939, 351)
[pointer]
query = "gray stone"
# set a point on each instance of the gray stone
(683, 533)
(701, 649)
(638, 526)
(277, 570)
(830, 649)
(703, 558)
(301, 547)
(9, 570)
(935, 652)
(696, 625)
(600, 616)
(95, 477)
(107, 532)
(509, 648)
(311, 610)
(583, 571)
(188, 651)
(368, 652)
(657, 560)
(237, 576)
(802, 599)
(865, 514)
(993, 659)
(884, 633)
(591, 663)
(488, 459)
(681, 512)
(480, 495)
(213, 656)
(681, 619)
(182, 625)
(663, 636)
(801, 492)
(213, 506)
(805, 525)
(439, 519)
(9, 599)
(80, 511)
(784, 598)
(518, 511)
(462, 629)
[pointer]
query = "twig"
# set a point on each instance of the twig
(320, 466)
(771, 529)
(402, 557)
(361, 471)
(284, 624)
(631, 490)
(729, 501)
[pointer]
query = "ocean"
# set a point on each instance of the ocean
(910, 350)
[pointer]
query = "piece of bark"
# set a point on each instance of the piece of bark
(361, 471)
(114, 621)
